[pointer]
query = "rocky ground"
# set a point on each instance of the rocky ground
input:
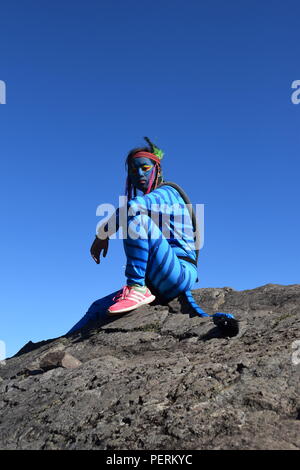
(161, 379)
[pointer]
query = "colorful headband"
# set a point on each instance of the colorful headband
(147, 155)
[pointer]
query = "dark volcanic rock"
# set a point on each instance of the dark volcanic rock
(160, 379)
(58, 359)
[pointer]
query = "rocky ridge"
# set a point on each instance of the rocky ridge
(159, 378)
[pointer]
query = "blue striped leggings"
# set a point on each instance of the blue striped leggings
(152, 261)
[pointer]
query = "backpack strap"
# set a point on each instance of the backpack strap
(191, 212)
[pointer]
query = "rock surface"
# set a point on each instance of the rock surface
(160, 379)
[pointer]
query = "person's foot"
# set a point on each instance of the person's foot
(130, 298)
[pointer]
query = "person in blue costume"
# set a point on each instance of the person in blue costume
(160, 245)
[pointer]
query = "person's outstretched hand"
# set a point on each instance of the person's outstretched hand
(96, 248)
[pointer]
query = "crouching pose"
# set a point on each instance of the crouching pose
(161, 241)
(159, 244)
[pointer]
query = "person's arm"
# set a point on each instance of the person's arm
(101, 241)
(109, 227)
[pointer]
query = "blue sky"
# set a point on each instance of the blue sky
(210, 82)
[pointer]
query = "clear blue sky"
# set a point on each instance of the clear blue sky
(210, 82)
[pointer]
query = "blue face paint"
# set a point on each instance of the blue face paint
(140, 170)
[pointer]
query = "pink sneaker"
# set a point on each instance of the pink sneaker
(130, 298)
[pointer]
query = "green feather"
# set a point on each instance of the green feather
(158, 152)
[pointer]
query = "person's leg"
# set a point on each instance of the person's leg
(152, 261)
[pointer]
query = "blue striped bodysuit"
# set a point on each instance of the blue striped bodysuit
(159, 231)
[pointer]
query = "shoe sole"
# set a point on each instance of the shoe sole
(124, 310)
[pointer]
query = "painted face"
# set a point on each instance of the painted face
(140, 171)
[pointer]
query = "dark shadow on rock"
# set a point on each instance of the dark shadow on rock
(176, 305)
(89, 329)
(99, 318)
(214, 333)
